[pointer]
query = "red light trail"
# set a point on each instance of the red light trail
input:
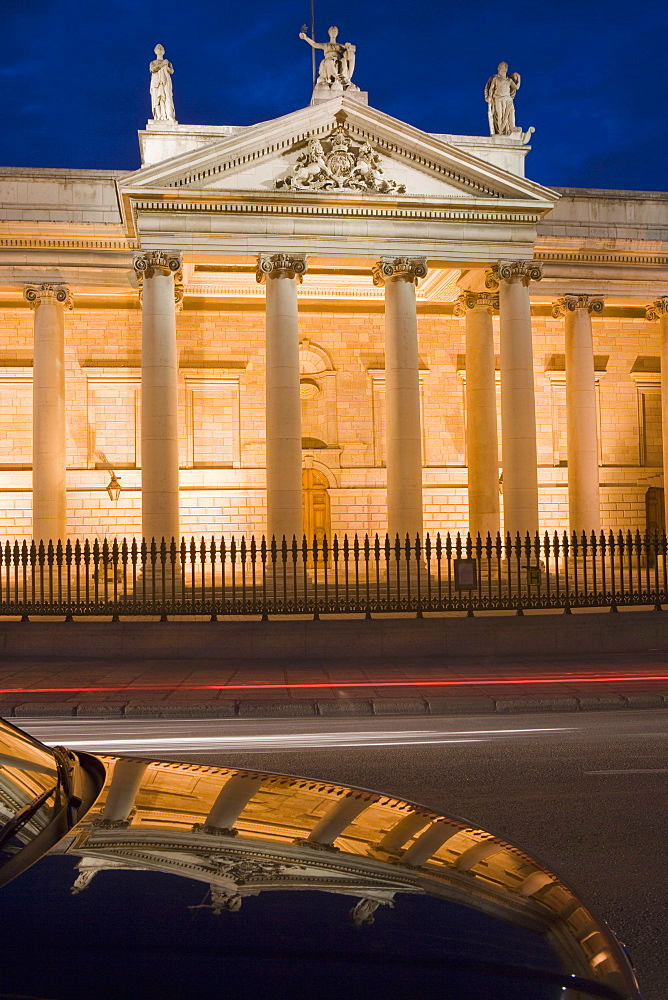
(318, 685)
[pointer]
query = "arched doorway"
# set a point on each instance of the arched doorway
(315, 500)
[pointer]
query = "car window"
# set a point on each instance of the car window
(28, 790)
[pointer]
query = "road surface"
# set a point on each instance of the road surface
(588, 794)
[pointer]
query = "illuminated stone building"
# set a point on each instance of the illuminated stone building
(348, 325)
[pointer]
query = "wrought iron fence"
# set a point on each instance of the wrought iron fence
(358, 574)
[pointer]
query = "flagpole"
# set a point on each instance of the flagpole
(313, 37)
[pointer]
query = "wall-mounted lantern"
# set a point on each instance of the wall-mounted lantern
(113, 487)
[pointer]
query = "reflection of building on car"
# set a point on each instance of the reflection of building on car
(268, 875)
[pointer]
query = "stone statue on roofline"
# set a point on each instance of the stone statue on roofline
(337, 67)
(162, 101)
(500, 93)
(500, 96)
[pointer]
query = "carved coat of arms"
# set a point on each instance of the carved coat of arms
(339, 163)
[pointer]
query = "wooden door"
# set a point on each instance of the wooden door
(655, 511)
(315, 500)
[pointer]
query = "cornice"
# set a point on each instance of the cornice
(600, 257)
(268, 203)
(65, 243)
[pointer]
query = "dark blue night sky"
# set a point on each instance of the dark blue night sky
(74, 75)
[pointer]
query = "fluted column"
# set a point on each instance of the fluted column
(159, 395)
(402, 393)
(49, 462)
(281, 273)
(658, 310)
(518, 405)
(482, 447)
(584, 504)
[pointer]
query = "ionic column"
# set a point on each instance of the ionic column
(125, 783)
(658, 310)
(518, 406)
(159, 395)
(584, 505)
(281, 273)
(339, 817)
(429, 842)
(233, 798)
(49, 463)
(402, 394)
(396, 836)
(482, 447)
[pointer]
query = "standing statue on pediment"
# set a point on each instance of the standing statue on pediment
(500, 94)
(337, 67)
(162, 102)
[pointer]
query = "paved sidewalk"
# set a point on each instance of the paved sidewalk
(208, 688)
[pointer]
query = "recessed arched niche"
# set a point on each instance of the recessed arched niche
(317, 390)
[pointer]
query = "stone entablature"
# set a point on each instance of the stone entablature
(445, 187)
(50, 197)
(629, 218)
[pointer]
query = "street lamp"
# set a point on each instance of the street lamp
(113, 487)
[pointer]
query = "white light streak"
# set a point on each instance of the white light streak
(158, 740)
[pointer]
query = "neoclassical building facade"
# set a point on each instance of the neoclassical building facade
(330, 322)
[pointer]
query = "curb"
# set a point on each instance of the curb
(333, 708)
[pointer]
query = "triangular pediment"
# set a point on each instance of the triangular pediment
(388, 157)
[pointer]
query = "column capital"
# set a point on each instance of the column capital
(475, 300)
(393, 268)
(657, 309)
(35, 294)
(571, 303)
(291, 265)
(152, 262)
(514, 270)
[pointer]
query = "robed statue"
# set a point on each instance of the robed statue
(336, 69)
(499, 94)
(162, 102)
